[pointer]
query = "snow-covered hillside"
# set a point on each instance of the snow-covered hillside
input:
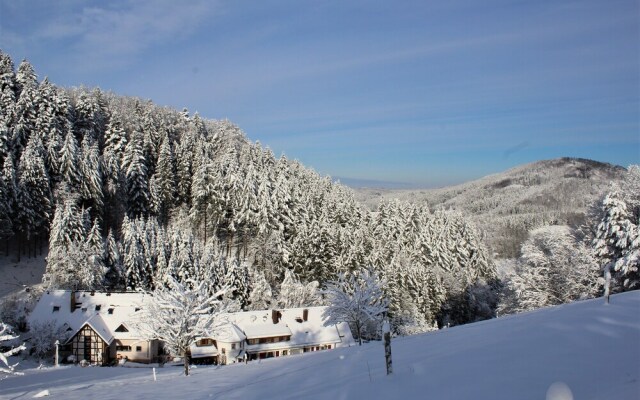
(507, 205)
(16, 276)
(584, 350)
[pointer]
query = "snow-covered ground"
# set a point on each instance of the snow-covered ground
(585, 350)
(16, 276)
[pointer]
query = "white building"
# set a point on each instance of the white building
(272, 333)
(96, 325)
(97, 329)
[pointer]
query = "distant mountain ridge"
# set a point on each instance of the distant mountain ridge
(507, 205)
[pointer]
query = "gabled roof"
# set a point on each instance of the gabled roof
(113, 309)
(98, 325)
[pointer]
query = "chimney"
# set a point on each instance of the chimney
(305, 315)
(73, 301)
(275, 316)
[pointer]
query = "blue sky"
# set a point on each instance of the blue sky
(427, 93)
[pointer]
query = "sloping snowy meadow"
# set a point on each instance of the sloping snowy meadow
(584, 350)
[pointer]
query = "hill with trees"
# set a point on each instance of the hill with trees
(507, 206)
(121, 194)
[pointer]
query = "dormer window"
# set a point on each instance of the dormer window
(122, 328)
(56, 308)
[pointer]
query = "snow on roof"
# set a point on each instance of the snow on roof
(113, 309)
(100, 327)
(203, 351)
(229, 333)
(259, 324)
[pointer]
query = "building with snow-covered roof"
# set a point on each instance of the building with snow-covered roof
(272, 333)
(98, 329)
(96, 325)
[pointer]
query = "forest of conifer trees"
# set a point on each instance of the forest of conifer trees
(124, 194)
(121, 194)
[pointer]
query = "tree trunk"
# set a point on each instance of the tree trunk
(186, 362)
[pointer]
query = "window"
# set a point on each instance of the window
(98, 307)
(224, 351)
(138, 348)
(285, 352)
(233, 346)
(122, 328)
(123, 348)
(136, 309)
(56, 308)
(204, 342)
(110, 311)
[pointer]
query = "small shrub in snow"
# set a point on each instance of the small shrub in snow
(43, 337)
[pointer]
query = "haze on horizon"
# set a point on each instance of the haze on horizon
(423, 93)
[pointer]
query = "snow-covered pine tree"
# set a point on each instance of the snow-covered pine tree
(25, 77)
(261, 295)
(69, 165)
(236, 278)
(24, 119)
(7, 88)
(294, 293)
(91, 178)
(133, 255)
(135, 168)
(34, 192)
(115, 276)
(617, 240)
(165, 178)
(96, 252)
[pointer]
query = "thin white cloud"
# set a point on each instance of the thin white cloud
(113, 32)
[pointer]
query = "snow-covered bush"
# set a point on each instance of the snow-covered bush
(43, 336)
(7, 339)
(15, 308)
(357, 299)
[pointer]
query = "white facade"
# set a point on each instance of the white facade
(272, 333)
(103, 321)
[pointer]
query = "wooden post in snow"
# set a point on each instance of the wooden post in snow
(607, 282)
(386, 331)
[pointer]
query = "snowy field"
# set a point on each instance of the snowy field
(585, 350)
